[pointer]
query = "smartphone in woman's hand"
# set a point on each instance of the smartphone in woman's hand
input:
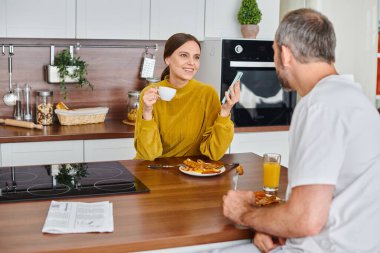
(237, 78)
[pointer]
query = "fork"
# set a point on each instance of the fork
(235, 179)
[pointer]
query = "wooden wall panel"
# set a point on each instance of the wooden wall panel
(113, 72)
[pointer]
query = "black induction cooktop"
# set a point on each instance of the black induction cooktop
(74, 180)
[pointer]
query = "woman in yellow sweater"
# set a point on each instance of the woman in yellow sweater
(193, 122)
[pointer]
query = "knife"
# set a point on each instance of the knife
(159, 166)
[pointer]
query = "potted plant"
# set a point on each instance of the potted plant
(71, 174)
(249, 16)
(68, 69)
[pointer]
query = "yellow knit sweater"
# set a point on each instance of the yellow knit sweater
(189, 124)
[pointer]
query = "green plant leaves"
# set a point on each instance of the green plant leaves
(62, 61)
(249, 13)
(69, 174)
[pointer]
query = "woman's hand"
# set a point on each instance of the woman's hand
(231, 99)
(265, 242)
(149, 99)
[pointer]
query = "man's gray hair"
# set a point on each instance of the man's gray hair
(309, 35)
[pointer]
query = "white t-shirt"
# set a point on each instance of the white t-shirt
(334, 139)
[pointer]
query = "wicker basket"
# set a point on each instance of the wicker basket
(82, 116)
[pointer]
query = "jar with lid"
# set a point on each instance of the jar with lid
(44, 107)
(133, 105)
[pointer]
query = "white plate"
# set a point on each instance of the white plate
(193, 173)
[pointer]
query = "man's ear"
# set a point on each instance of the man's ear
(286, 56)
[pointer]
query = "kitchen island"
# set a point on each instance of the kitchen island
(110, 141)
(180, 210)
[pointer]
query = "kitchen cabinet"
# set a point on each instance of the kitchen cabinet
(144, 19)
(2, 19)
(58, 152)
(174, 16)
(37, 19)
(100, 19)
(109, 150)
(262, 142)
(113, 19)
(221, 19)
(41, 153)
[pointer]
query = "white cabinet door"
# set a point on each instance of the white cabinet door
(174, 16)
(262, 142)
(109, 150)
(113, 19)
(3, 24)
(41, 153)
(37, 18)
(221, 18)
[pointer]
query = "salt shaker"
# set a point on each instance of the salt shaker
(27, 106)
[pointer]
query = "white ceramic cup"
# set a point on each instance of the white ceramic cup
(166, 93)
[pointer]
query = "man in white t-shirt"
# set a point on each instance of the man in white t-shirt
(334, 162)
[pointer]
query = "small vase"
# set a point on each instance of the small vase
(53, 75)
(249, 31)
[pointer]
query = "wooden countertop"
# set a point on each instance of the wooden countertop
(179, 210)
(107, 130)
(56, 132)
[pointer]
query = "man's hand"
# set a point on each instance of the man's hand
(304, 214)
(265, 242)
(236, 204)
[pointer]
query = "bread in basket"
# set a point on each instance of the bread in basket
(81, 116)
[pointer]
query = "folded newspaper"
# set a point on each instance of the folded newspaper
(79, 217)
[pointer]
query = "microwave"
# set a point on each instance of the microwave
(263, 101)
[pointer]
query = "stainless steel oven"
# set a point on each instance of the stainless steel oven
(263, 102)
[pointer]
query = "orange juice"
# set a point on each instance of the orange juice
(271, 175)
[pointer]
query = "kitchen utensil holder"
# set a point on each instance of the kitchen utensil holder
(53, 75)
(77, 46)
(52, 71)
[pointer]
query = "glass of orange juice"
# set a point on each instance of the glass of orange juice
(271, 169)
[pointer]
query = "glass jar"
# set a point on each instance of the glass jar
(133, 105)
(152, 80)
(27, 107)
(44, 107)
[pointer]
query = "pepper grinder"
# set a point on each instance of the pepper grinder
(18, 106)
(27, 106)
